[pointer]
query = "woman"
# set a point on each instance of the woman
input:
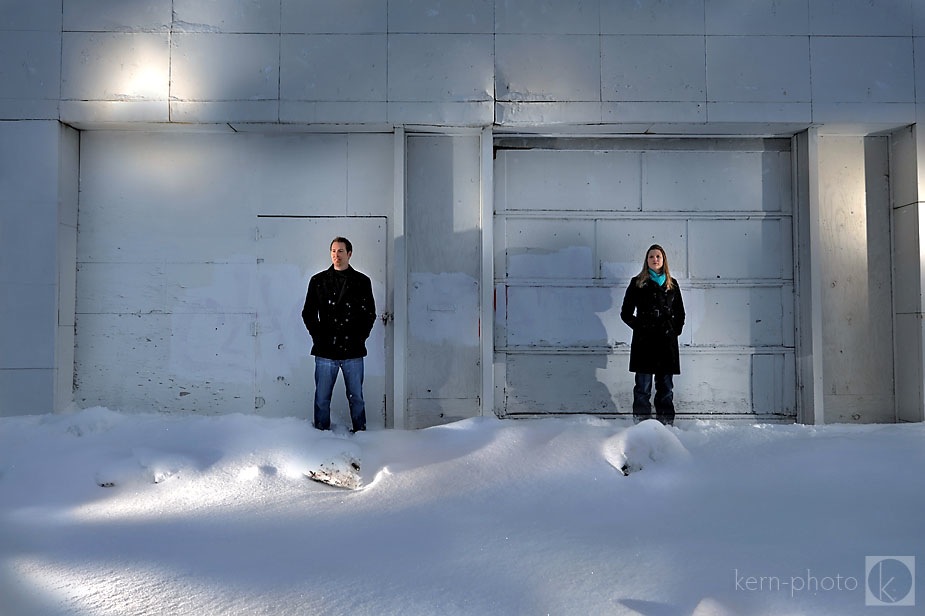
(653, 308)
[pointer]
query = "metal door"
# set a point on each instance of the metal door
(289, 251)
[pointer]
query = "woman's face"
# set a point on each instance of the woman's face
(654, 259)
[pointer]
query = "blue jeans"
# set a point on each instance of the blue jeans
(664, 398)
(325, 377)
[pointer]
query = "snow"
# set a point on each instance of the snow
(214, 515)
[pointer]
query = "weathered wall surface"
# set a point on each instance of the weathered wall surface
(695, 68)
(194, 256)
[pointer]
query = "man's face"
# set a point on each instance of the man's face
(339, 255)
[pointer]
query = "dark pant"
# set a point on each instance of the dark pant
(325, 375)
(664, 398)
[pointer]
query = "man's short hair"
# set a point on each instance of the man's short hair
(342, 240)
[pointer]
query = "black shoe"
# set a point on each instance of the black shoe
(640, 418)
(355, 430)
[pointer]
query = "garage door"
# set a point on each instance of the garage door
(573, 219)
(194, 251)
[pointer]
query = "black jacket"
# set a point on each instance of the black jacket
(656, 316)
(339, 318)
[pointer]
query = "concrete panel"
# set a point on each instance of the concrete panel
(650, 68)
(144, 288)
(117, 15)
(343, 17)
(919, 50)
(547, 67)
(251, 16)
(30, 65)
(148, 232)
(751, 249)
(583, 181)
(67, 275)
(205, 363)
(444, 254)
(222, 67)
(918, 19)
(28, 242)
(28, 174)
(370, 174)
(854, 224)
(774, 116)
(863, 118)
(121, 288)
(699, 389)
(28, 318)
(653, 17)
(440, 113)
(440, 67)
(772, 385)
(734, 17)
(535, 384)
(739, 316)
(114, 113)
(861, 17)
(222, 112)
(910, 388)
(549, 248)
(427, 412)
(115, 66)
(26, 392)
(907, 250)
(65, 352)
(716, 181)
(547, 17)
(35, 15)
(447, 16)
(862, 69)
(622, 245)
(565, 318)
(293, 175)
(643, 115)
(334, 112)
(29, 109)
(758, 68)
(532, 114)
(333, 67)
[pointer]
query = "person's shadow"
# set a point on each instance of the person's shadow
(556, 347)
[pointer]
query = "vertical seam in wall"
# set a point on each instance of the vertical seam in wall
(170, 60)
(706, 71)
(494, 68)
(388, 62)
(809, 52)
(600, 67)
(61, 62)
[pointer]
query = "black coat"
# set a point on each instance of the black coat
(656, 316)
(339, 318)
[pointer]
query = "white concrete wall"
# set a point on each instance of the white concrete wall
(857, 284)
(38, 238)
(689, 67)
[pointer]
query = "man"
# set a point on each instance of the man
(339, 313)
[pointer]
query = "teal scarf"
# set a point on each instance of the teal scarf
(658, 278)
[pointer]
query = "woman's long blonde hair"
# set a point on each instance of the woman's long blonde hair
(642, 276)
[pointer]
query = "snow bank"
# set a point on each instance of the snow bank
(213, 515)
